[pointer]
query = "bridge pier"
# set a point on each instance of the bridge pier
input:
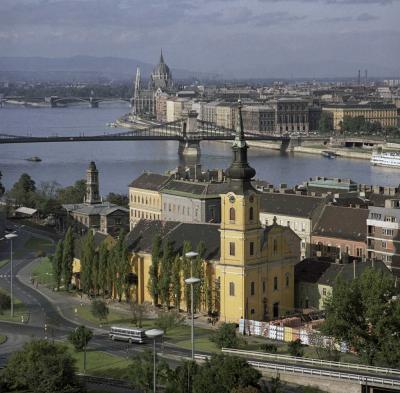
(189, 148)
(93, 103)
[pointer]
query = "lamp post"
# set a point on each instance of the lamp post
(191, 255)
(11, 236)
(153, 334)
(191, 281)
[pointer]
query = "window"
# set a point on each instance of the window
(252, 288)
(231, 289)
(252, 311)
(388, 232)
(324, 291)
(232, 248)
(275, 310)
(275, 246)
(232, 214)
(303, 244)
(266, 222)
(251, 248)
(288, 223)
(251, 214)
(384, 244)
(275, 283)
(303, 227)
(359, 252)
(263, 286)
(287, 280)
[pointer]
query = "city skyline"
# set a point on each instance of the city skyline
(256, 38)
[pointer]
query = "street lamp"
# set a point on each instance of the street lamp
(191, 281)
(153, 334)
(11, 236)
(191, 255)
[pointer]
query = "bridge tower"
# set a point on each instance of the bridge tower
(92, 185)
(93, 102)
(190, 144)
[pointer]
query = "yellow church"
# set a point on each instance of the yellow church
(250, 268)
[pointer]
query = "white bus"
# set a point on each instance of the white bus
(132, 335)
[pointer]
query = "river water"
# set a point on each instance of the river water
(121, 162)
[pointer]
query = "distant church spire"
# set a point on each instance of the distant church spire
(240, 172)
(161, 57)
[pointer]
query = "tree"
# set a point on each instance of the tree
(118, 199)
(103, 268)
(296, 348)
(176, 282)
(153, 284)
(181, 379)
(57, 262)
(325, 348)
(88, 253)
(198, 272)
(225, 336)
(72, 194)
(68, 257)
(325, 123)
(165, 273)
(41, 367)
(223, 373)
(96, 274)
(80, 337)
(270, 348)
(140, 373)
(5, 302)
(121, 264)
(138, 312)
(23, 191)
(167, 320)
(99, 310)
(247, 389)
(365, 314)
(187, 272)
(2, 188)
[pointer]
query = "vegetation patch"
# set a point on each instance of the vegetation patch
(4, 262)
(20, 312)
(3, 339)
(43, 272)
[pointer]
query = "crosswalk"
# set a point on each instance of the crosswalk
(5, 276)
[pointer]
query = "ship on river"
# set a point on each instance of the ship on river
(388, 159)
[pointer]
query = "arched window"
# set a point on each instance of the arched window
(251, 214)
(252, 288)
(232, 214)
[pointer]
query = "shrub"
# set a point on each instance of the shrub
(80, 337)
(99, 310)
(225, 336)
(5, 302)
(168, 320)
(296, 348)
(268, 347)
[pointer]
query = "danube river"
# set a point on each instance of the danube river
(121, 162)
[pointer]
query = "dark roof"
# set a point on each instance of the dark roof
(343, 223)
(379, 199)
(150, 181)
(195, 189)
(322, 271)
(140, 238)
(310, 270)
(290, 204)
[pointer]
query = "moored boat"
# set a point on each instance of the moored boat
(34, 159)
(388, 159)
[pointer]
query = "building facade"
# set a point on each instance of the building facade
(291, 115)
(385, 114)
(384, 234)
(259, 119)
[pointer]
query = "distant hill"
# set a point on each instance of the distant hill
(82, 68)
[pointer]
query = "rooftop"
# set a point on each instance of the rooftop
(150, 181)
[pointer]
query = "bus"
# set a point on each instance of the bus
(132, 335)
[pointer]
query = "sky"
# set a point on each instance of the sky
(239, 38)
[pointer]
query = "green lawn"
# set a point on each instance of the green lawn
(3, 339)
(19, 312)
(36, 244)
(43, 272)
(4, 262)
(101, 363)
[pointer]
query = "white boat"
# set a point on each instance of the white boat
(389, 159)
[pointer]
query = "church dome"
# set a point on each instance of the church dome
(161, 68)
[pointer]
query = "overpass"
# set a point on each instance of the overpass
(189, 132)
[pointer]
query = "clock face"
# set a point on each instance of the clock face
(251, 198)
(231, 199)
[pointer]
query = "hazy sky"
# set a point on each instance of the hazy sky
(236, 37)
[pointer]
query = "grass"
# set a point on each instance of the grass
(100, 363)
(3, 339)
(4, 262)
(19, 311)
(43, 272)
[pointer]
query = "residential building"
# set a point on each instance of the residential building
(209, 113)
(291, 115)
(298, 212)
(145, 200)
(259, 119)
(161, 106)
(384, 113)
(384, 234)
(226, 114)
(176, 108)
(341, 234)
(315, 278)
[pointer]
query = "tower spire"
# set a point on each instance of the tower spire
(240, 172)
(161, 57)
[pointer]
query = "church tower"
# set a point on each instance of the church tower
(92, 185)
(240, 230)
